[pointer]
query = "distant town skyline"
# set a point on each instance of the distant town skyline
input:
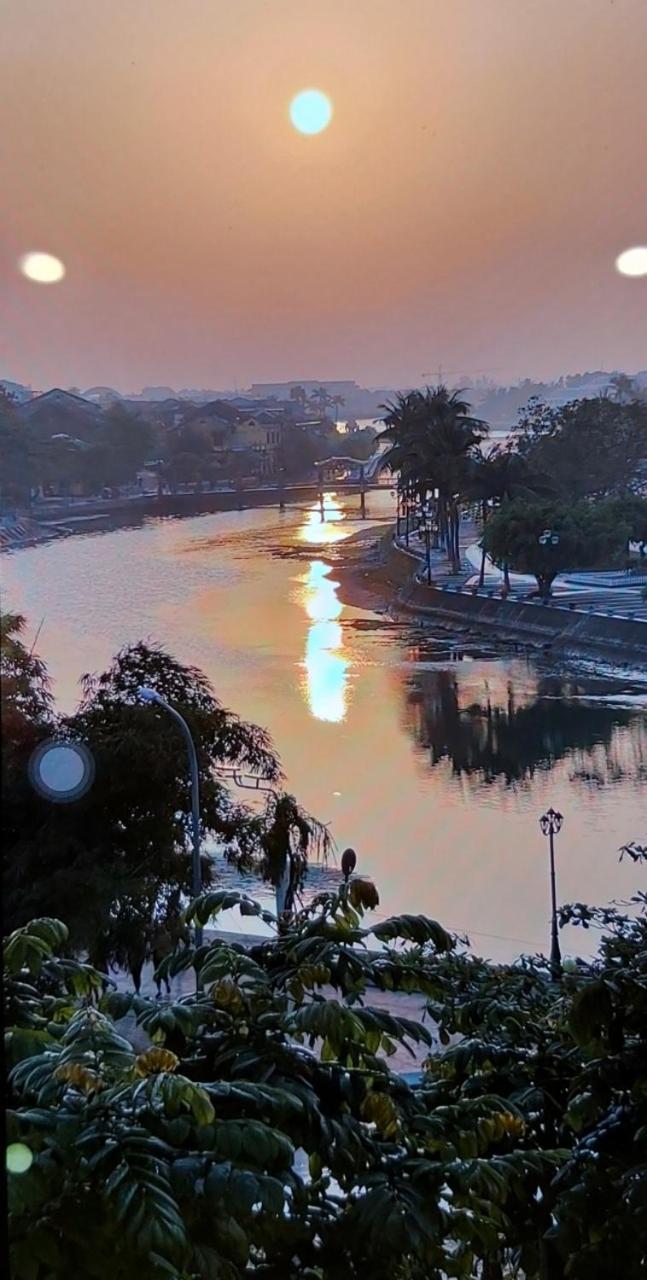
(463, 209)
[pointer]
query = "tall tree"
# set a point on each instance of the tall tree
(338, 403)
(321, 398)
(433, 437)
(545, 538)
(498, 476)
(299, 395)
(591, 448)
(114, 862)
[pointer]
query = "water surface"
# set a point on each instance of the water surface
(433, 756)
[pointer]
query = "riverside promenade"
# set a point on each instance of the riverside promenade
(589, 615)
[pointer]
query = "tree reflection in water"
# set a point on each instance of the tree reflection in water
(507, 737)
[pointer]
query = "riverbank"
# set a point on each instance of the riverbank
(374, 573)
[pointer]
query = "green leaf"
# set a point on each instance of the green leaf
(418, 929)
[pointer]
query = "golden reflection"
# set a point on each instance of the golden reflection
(322, 532)
(325, 664)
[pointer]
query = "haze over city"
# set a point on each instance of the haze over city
(465, 206)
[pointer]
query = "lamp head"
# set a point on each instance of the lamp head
(551, 821)
(348, 862)
(148, 695)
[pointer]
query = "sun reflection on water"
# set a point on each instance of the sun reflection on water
(318, 532)
(325, 663)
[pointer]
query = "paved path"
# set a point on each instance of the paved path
(607, 593)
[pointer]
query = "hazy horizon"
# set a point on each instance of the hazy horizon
(483, 168)
(465, 384)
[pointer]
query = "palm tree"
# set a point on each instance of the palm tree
(433, 437)
(338, 402)
(321, 399)
(299, 395)
(622, 388)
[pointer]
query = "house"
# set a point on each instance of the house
(62, 412)
(16, 390)
(160, 413)
(261, 434)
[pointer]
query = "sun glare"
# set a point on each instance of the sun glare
(311, 111)
(320, 532)
(633, 262)
(42, 268)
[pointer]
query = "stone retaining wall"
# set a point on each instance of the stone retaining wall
(619, 639)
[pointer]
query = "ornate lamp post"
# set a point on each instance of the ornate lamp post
(548, 539)
(551, 824)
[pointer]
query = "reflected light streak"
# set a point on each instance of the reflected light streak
(321, 533)
(325, 664)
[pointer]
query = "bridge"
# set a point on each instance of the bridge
(354, 470)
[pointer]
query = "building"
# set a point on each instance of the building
(281, 390)
(16, 390)
(261, 435)
(62, 412)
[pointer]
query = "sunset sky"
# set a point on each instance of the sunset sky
(485, 164)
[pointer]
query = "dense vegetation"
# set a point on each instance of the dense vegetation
(577, 472)
(257, 1127)
(262, 1132)
(92, 453)
(77, 448)
(433, 445)
(545, 538)
(115, 864)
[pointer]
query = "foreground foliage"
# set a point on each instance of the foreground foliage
(262, 1132)
(115, 864)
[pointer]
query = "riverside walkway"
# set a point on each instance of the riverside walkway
(619, 594)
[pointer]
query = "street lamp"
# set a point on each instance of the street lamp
(548, 539)
(426, 523)
(151, 695)
(551, 824)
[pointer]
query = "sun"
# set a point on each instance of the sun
(42, 268)
(311, 111)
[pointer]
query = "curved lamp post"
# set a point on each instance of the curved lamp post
(151, 695)
(551, 824)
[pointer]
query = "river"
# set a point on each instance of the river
(434, 758)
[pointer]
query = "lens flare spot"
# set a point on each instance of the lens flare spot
(311, 111)
(42, 268)
(633, 262)
(19, 1158)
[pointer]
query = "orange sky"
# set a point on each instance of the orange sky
(486, 162)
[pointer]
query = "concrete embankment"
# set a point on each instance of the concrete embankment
(549, 626)
(564, 629)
